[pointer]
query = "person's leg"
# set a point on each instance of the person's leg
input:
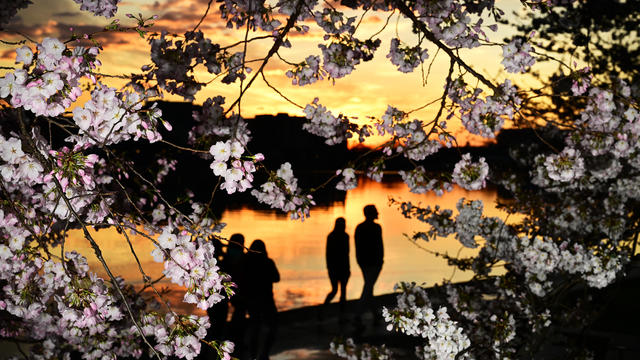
(271, 325)
(343, 289)
(334, 289)
(343, 297)
(238, 325)
(367, 290)
(255, 322)
(369, 277)
(375, 273)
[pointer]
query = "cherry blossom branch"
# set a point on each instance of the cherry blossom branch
(280, 93)
(404, 9)
(383, 26)
(276, 45)
(146, 279)
(183, 147)
(96, 248)
(262, 37)
(159, 194)
(206, 12)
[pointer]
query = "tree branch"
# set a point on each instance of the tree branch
(404, 9)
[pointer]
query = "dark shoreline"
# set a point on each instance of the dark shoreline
(306, 332)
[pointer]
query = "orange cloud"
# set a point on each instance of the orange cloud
(366, 92)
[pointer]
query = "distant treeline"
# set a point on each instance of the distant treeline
(281, 138)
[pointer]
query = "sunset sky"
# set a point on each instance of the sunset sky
(366, 92)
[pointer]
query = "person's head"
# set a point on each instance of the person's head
(340, 225)
(370, 212)
(236, 243)
(258, 247)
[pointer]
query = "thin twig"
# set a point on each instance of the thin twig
(384, 26)
(404, 9)
(203, 16)
(183, 148)
(279, 92)
(96, 248)
(276, 45)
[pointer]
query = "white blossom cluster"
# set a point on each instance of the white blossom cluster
(282, 192)
(341, 57)
(307, 72)
(49, 80)
(239, 12)
(495, 322)
(419, 182)
(607, 129)
(535, 258)
(566, 166)
(539, 258)
(406, 58)
(106, 8)
(323, 123)
(600, 113)
(484, 117)
(391, 116)
(450, 22)
(516, 56)
(347, 349)
(414, 316)
(191, 264)
(77, 174)
(349, 180)
(333, 21)
(176, 335)
(441, 222)
(412, 140)
(581, 80)
(86, 310)
(375, 171)
(18, 166)
(228, 163)
(210, 121)
(112, 116)
(468, 222)
(570, 221)
(470, 175)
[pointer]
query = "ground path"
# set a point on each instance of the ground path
(306, 333)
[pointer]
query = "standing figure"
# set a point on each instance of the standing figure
(369, 254)
(259, 275)
(337, 256)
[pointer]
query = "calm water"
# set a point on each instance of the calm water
(298, 248)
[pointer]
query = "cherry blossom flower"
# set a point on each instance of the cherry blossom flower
(469, 175)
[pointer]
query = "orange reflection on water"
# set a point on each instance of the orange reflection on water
(121, 261)
(298, 248)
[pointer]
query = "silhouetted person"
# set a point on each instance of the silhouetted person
(234, 265)
(259, 275)
(337, 256)
(369, 255)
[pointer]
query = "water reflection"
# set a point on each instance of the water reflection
(298, 248)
